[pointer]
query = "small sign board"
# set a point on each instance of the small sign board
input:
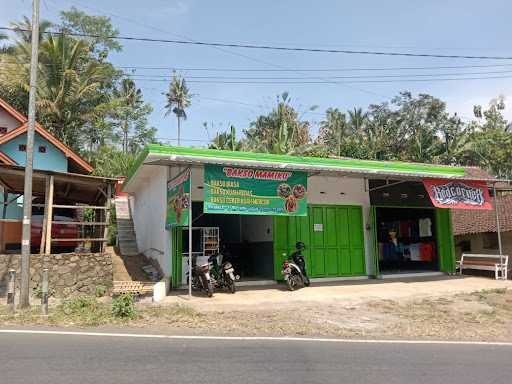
(318, 227)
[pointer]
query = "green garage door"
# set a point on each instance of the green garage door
(334, 239)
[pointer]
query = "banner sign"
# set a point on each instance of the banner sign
(178, 200)
(254, 191)
(458, 194)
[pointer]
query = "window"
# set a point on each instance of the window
(465, 245)
(490, 240)
(22, 147)
(42, 149)
(3, 130)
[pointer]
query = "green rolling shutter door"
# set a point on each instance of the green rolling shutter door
(335, 250)
(445, 244)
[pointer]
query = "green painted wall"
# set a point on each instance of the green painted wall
(445, 243)
(338, 250)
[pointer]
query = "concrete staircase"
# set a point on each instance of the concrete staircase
(125, 230)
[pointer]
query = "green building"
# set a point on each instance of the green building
(359, 219)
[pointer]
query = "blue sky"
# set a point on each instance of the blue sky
(437, 26)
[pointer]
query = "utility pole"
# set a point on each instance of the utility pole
(27, 192)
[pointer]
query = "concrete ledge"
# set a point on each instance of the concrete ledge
(334, 279)
(406, 275)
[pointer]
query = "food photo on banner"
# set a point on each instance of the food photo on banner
(458, 194)
(178, 200)
(254, 191)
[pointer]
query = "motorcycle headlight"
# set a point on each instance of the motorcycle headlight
(228, 266)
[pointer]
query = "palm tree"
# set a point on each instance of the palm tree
(178, 100)
(67, 85)
(333, 130)
(357, 118)
(129, 97)
(23, 29)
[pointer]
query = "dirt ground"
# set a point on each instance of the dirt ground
(469, 308)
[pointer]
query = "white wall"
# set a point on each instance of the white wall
(148, 212)
(6, 120)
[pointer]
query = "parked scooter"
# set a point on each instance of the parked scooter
(201, 278)
(223, 273)
(294, 270)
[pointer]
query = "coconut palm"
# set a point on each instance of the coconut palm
(333, 130)
(357, 118)
(23, 29)
(178, 100)
(129, 97)
(69, 86)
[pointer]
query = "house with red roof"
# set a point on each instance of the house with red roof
(50, 154)
(477, 231)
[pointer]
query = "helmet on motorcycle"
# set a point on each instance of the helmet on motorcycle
(300, 245)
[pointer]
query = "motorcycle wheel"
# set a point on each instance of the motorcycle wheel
(291, 282)
(231, 286)
(209, 289)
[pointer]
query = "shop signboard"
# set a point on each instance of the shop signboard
(254, 191)
(458, 194)
(178, 200)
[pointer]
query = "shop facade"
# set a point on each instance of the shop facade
(349, 214)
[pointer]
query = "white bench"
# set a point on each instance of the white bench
(496, 263)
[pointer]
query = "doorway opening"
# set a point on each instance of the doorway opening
(406, 240)
(246, 241)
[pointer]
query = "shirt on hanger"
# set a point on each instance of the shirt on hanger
(425, 227)
(414, 250)
(427, 252)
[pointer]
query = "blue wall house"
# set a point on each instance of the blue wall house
(50, 154)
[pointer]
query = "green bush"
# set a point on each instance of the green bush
(38, 292)
(79, 305)
(100, 291)
(123, 306)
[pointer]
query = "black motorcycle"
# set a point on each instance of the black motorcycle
(294, 270)
(223, 273)
(201, 278)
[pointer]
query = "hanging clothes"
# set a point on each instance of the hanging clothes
(427, 251)
(425, 227)
(405, 228)
(414, 250)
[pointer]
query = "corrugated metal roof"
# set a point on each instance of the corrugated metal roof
(164, 155)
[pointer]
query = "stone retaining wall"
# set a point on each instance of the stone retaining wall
(69, 273)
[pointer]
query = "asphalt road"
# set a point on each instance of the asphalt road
(59, 359)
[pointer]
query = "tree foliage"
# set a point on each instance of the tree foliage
(178, 100)
(82, 98)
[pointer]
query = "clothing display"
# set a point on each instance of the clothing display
(408, 240)
(414, 250)
(426, 251)
(425, 227)
(405, 228)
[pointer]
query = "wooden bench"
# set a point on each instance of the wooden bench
(496, 263)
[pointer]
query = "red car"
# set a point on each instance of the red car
(59, 231)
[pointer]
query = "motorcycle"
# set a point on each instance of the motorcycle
(294, 272)
(201, 278)
(223, 273)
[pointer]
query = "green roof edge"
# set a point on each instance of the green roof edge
(371, 165)
(135, 167)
